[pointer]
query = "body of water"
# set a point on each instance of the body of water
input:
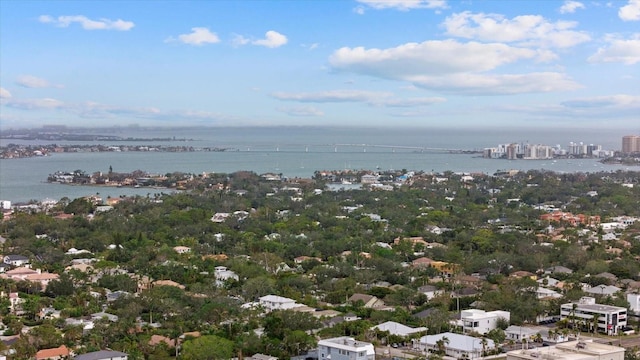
(293, 152)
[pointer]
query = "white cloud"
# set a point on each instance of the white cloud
(4, 93)
(373, 98)
(404, 5)
(311, 46)
(86, 23)
(301, 111)
(30, 81)
(411, 102)
(451, 66)
(273, 39)
(198, 36)
(95, 110)
(625, 51)
(430, 57)
(496, 84)
(631, 11)
(621, 106)
(35, 104)
(571, 6)
(617, 101)
(525, 29)
(239, 40)
(333, 96)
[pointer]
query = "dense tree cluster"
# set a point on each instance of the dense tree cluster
(488, 225)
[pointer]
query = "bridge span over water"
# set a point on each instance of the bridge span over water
(354, 147)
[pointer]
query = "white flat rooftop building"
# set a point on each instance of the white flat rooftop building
(456, 345)
(345, 348)
(572, 350)
(610, 318)
(480, 321)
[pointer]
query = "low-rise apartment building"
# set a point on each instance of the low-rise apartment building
(345, 348)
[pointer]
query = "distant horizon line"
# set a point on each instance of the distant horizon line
(458, 128)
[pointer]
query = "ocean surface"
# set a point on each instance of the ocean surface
(291, 151)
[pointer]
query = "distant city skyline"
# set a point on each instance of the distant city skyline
(401, 63)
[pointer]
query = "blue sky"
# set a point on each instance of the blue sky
(413, 63)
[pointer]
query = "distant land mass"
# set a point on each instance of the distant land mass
(63, 133)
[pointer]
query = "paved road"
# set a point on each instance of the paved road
(627, 341)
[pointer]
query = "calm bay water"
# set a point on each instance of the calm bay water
(294, 152)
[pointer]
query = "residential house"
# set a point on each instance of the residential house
(86, 325)
(544, 293)
(610, 319)
(369, 301)
(603, 290)
(104, 315)
(634, 302)
(457, 346)
(182, 249)
(548, 281)
(558, 269)
(223, 274)
(422, 262)
(159, 339)
(49, 313)
(413, 240)
(430, 291)
(74, 251)
(398, 329)
(168, 283)
(42, 278)
(480, 321)
(275, 302)
(469, 280)
(103, 355)
(303, 258)
(115, 295)
(523, 274)
(220, 217)
(261, 357)
(16, 260)
(59, 353)
(607, 275)
(345, 348)
(518, 333)
(27, 274)
(369, 179)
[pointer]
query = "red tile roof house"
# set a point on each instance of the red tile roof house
(58, 353)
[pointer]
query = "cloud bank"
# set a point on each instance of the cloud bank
(198, 36)
(86, 23)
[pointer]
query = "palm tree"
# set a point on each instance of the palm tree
(573, 315)
(442, 344)
(594, 323)
(484, 343)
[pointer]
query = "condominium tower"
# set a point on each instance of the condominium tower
(631, 144)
